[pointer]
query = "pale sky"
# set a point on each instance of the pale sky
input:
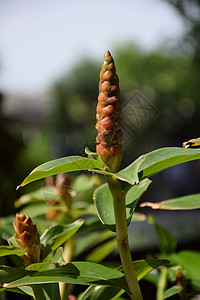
(40, 39)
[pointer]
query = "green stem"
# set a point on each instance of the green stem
(122, 237)
(38, 292)
(67, 255)
(161, 284)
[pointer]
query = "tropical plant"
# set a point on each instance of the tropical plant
(45, 264)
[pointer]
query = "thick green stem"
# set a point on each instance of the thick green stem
(122, 237)
(38, 292)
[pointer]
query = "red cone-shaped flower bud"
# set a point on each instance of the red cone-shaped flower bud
(27, 238)
(109, 121)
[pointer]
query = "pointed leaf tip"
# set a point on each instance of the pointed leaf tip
(17, 188)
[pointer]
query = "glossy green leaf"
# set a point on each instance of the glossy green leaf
(181, 203)
(101, 293)
(86, 273)
(62, 165)
(56, 235)
(10, 250)
(55, 230)
(172, 291)
(129, 174)
(142, 268)
(190, 262)
(164, 158)
(104, 202)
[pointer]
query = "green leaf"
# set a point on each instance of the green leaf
(51, 291)
(129, 174)
(102, 251)
(190, 262)
(90, 239)
(166, 240)
(62, 165)
(58, 256)
(86, 273)
(56, 230)
(164, 158)
(39, 209)
(56, 235)
(42, 194)
(91, 154)
(8, 274)
(15, 290)
(40, 266)
(85, 183)
(10, 250)
(167, 243)
(101, 293)
(141, 267)
(104, 203)
(172, 291)
(48, 265)
(181, 203)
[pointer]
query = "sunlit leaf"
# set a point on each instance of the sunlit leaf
(55, 230)
(104, 202)
(101, 293)
(129, 174)
(40, 266)
(86, 273)
(181, 203)
(172, 291)
(164, 158)
(141, 267)
(62, 165)
(56, 235)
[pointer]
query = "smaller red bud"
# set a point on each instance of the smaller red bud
(27, 238)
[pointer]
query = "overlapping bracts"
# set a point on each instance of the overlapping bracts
(108, 116)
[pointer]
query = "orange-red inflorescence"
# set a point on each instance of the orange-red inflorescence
(108, 116)
(27, 238)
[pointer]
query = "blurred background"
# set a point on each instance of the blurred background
(50, 57)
